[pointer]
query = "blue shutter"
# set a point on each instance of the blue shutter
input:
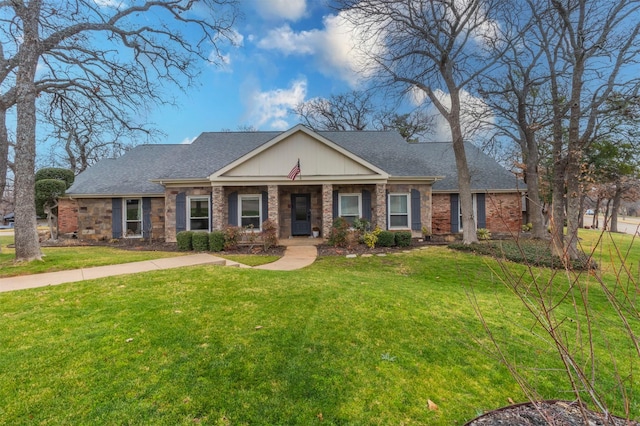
(335, 204)
(232, 205)
(455, 226)
(386, 208)
(265, 207)
(146, 217)
(366, 204)
(481, 214)
(416, 220)
(181, 212)
(116, 217)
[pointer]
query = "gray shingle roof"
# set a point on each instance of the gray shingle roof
(131, 173)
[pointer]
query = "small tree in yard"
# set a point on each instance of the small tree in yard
(51, 183)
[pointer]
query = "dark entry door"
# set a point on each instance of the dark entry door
(300, 214)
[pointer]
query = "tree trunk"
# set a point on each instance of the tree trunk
(26, 231)
(557, 199)
(535, 207)
(617, 197)
(4, 150)
(469, 234)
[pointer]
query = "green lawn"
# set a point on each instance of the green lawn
(346, 341)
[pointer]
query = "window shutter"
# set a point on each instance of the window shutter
(386, 208)
(416, 220)
(265, 207)
(116, 217)
(482, 214)
(146, 217)
(232, 204)
(455, 226)
(335, 204)
(181, 212)
(366, 204)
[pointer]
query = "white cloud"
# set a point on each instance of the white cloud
(476, 117)
(271, 109)
(290, 10)
(115, 4)
(339, 47)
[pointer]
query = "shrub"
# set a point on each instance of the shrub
(483, 234)
(361, 225)
(386, 239)
(527, 227)
(184, 239)
(339, 233)
(403, 238)
(231, 237)
(269, 234)
(200, 241)
(216, 241)
(370, 238)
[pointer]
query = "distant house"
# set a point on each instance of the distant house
(245, 178)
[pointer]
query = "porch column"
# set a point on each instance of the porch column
(218, 208)
(327, 209)
(274, 204)
(381, 205)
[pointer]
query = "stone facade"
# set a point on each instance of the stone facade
(170, 207)
(425, 202)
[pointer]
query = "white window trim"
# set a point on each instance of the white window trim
(406, 194)
(340, 195)
(198, 197)
(247, 196)
(474, 209)
(125, 220)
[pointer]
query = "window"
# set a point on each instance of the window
(474, 210)
(250, 208)
(350, 207)
(133, 217)
(399, 210)
(199, 213)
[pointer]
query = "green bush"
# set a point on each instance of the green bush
(338, 236)
(184, 240)
(483, 234)
(370, 238)
(216, 241)
(200, 241)
(386, 239)
(64, 175)
(403, 238)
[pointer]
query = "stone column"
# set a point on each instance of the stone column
(327, 209)
(381, 205)
(274, 205)
(218, 206)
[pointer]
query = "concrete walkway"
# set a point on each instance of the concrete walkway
(295, 257)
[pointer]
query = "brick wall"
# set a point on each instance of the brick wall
(67, 215)
(503, 211)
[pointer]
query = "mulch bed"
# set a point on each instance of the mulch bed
(543, 413)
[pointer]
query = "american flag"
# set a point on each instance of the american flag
(295, 171)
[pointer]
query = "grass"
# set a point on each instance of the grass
(346, 341)
(64, 258)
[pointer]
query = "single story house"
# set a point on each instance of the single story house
(300, 179)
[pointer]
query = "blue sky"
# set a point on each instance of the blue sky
(288, 51)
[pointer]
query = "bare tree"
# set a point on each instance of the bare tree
(118, 56)
(439, 47)
(587, 45)
(348, 111)
(356, 110)
(83, 133)
(519, 96)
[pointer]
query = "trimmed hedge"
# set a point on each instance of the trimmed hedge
(403, 238)
(216, 241)
(200, 241)
(386, 239)
(184, 240)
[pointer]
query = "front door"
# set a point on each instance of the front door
(300, 214)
